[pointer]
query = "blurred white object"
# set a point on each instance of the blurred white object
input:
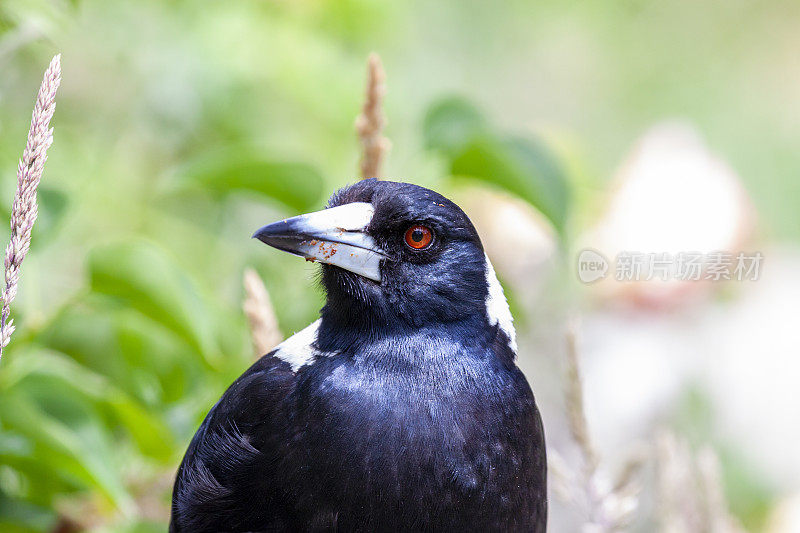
(672, 195)
(752, 368)
(636, 367)
(741, 353)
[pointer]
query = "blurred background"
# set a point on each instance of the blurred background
(619, 126)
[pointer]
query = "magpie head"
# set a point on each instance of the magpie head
(392, 254)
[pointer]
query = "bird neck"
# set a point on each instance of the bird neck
(355, 331)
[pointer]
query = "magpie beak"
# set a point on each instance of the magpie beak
(336, 236)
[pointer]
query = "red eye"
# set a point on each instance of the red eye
(419, 237)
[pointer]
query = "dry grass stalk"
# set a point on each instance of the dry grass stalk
(678, 507)
(371, 121)
(264, 330)
(24, 210)
(689, 488)
(689, 493)
(717, 516)
(609, 506)
(576, 414)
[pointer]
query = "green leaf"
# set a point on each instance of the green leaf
(297, 185)
(153, 363)
(148, 280)
(52, 205)
(81, 456)
(451, 124)
(19, 516)
(523, 168)
(151, 435)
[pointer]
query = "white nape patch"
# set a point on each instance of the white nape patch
(354, 216)
(299, 349)
(497, 306)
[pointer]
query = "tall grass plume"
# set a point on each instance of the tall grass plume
(371, 121)
(264, 331)
(25, 209)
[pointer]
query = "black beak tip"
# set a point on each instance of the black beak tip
(264, 233)
(278, 233)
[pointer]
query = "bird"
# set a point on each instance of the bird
(400, 409)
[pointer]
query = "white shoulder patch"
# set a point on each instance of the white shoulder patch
(497, 306)
(300, 349)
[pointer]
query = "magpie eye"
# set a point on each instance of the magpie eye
(419, 237)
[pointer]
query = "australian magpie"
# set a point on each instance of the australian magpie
(400, 409)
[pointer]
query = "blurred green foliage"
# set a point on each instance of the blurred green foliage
(519, 165)
(183, 126)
